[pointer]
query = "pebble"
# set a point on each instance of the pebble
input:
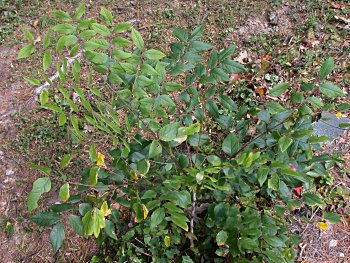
(9, 172)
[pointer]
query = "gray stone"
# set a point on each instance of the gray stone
(328, 125)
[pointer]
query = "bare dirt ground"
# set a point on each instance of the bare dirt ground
(279, 29)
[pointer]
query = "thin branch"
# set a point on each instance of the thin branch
(70, 61)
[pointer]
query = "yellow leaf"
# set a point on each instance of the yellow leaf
(339, 115)
(322, 226)
(64, 193)
(167, 241)
(104, 209)
(145, 211)
(100, 160)
(134, 175)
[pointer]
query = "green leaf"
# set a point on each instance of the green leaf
(221, 238)
(70, 40)
(312, 199)
(88, 223)
(43, 169)
(330, 90)
(284, 142)
(274, 182)
(155, 149)
(326, 68)
(231, 145)
(121, 42)
(318, 139)
(76, 224)
(332, 218)
(26, 51)
(315, 102)
(274, 107)
(212, 108)
(279, 89)
(44, 97)
(64, 192)
(66, 29)
(137, 39)
(40, 186)
(274, 241)
(46, 218)
(123, 27)
(227, 103)
(79, 12)
(149, 194)
(92, 153)
(107, 16)
(57, 236)
(110, 230)
(179, 220)
(60, 15)
(101, 29)
(157, 217)
(46, 40)
(87, 34)
(154, 54)
(227, 52)
(61, 42)
(180, 34)
(196, 33)
(262, 175)
(169, 132)
(96, 43)
(28, 35)
(47, 60)
(199, 46)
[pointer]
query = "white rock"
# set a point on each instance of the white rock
(9, 172)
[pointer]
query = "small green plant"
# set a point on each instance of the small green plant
(193, 175)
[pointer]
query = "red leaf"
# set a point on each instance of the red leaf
(297, 190)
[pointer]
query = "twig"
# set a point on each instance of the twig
(70, 61)
(193, 215)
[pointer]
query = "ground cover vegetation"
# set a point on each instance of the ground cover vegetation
(195, 170)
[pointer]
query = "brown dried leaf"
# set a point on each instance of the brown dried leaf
(235, 77)
(261, 91)
(338, 6)
(38, 39)
(36, 22)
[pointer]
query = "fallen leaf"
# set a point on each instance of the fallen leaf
(297, 190)
(344, 19)
(235, 77)
(338, 6)
(333, 243)
(36, 22)
(322, 226)
(261, 91)
(242, 57)
(38, 39)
